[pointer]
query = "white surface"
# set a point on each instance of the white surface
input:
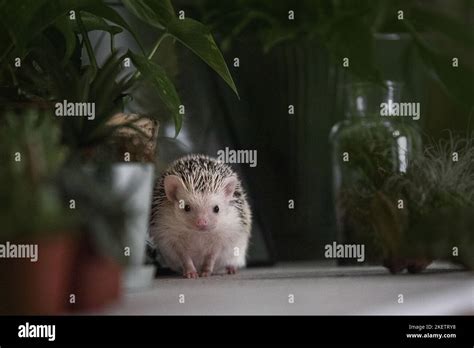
(318, 289)
(135, 181)
(138, 277)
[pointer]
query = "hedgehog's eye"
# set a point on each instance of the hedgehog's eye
(216, 209)
(187, 207)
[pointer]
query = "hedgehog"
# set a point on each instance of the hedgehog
(201, 220)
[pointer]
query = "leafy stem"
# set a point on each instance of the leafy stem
(85, 38)
(157, 44)
(12, 72)
(112, 43)
(153, 51)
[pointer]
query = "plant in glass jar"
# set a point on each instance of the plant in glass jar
(368, 148)
(438, 195)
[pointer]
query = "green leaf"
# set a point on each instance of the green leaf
(158, 13)
(444, 24)
(92, 22)
(84, 84)
(17, 18)
(104, 88)
(458, 82)
(5, 42)
(162, 84)
(189, 32)
(349, 37)
(276, 35)
(64, 25)
(28, 18)
(198, 39)
(101, 10)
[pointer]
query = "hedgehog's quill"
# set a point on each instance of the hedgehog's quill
(201, 219)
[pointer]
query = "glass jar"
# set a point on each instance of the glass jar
(368, 148)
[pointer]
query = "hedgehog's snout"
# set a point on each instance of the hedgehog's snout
(202, 223)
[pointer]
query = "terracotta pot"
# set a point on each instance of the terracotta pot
(97, 280)
(41, 287)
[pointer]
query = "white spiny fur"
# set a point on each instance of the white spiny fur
(204, 179)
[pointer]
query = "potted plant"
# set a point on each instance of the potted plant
(367, 150)
(438, 192)
(42, 62)
(102, 216)
(72, 219)
(41, 59)
(33, 217)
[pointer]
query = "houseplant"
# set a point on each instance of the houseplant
(33, 213)
(36, 30)
(102, 217)
(438, 191)
(72, 215)
(367, 150)
(47, 39)
(408, 219)
(347, 29)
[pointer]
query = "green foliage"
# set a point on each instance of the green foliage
(192, 34)
(156, 13)
(457, 82)
(101, 211)
(435, 180)
(438, 199)
(36, 187)
(161, 84)
(37, 30)
(26, 20)
(439, 195)
(46, 79)
(198, 39)
(348, 36)
(372, 149)
(347, 28)
(30, 154)
(374, 158)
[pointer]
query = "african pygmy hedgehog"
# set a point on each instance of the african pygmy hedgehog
(201, 219)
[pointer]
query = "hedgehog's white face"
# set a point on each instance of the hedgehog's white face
(199, 211)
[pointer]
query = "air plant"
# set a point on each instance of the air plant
(409, 219)
(438, 196)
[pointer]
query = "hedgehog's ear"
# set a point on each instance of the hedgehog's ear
(230, 184)
(173, 183)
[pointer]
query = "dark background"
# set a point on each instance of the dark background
(293, 150)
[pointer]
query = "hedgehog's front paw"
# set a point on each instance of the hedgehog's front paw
(206, 273)
(190, 274)
(189, 271)
(231, 269)
(208, 266)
